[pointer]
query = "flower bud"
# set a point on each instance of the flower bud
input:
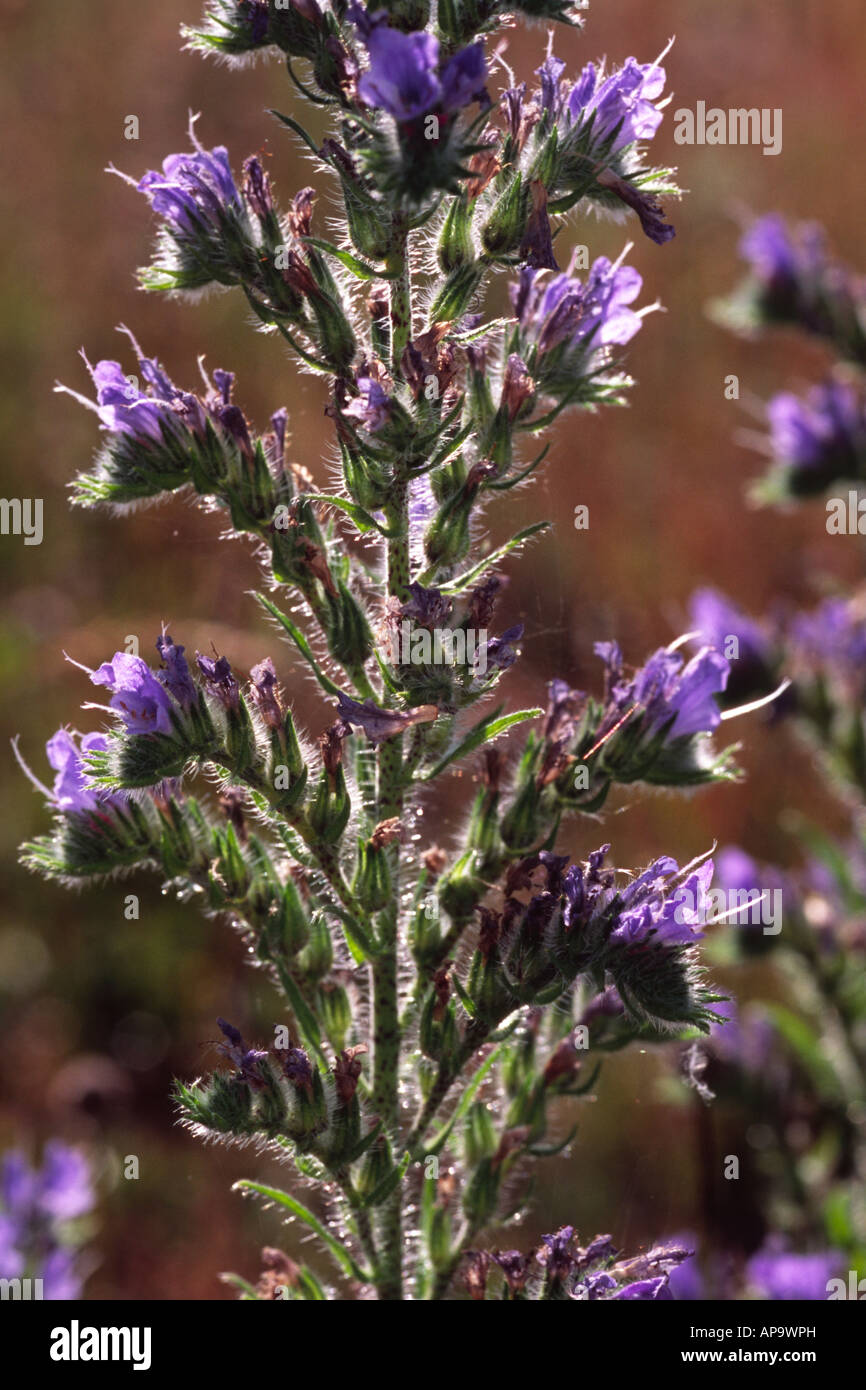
(455, 239)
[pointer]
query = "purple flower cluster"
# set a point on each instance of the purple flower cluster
(818, 438)
(662, 906)
(405, 79)
(193, 190)
(832, 639)
(35, 1206)
(553, 310)
(621, 108)
(161, 412)
(667, 690)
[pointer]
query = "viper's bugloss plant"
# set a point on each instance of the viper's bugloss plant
(436, 1006)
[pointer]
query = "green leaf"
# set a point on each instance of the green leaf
(300, 642)
(247, 1289)
(298, 129)
(481, 331)
(484, 732)
(284, 1199)
(438, 1142)
(358, 268)
(457, 586)
(362, 519)
(806, 1044)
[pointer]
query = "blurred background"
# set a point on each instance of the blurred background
(99, 1013)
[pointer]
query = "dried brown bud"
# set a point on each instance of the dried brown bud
(492, 765)
(483, 166)
(232, 802)
(331, 746)
(434, 860)
(563, 1063)
(300, 214)
(279, 1272)
(488, 936)
(347, 1069)
(386, 832)
(442, 987)
(313, 558)
(478, 1263)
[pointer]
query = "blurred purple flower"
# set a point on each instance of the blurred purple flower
(781, 1275)
(717, 620)
(820, 435)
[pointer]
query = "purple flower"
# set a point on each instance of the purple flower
(657, 907)
(429, 608)
(371, 407)
(65, 1189)
(378, 723)
(500, 652)
(667, 689)
(821, 436)
(559, 1257)
(779, 256)
(141, 700)
(73, 793)
(650, 212)
(622, 106)
(219, 679)
(717, 620)
(464, 78)
(176, 677)
(404, 79)
(646, 1289)
(193, 190)
(246, 1059)
(780, 1275)
(554, 309)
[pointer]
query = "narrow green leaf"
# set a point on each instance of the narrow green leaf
(457, 586)
(284, 1199)
(484, 732)
(300, 642)
(362, 519)
(357, 267)
(298, 129)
